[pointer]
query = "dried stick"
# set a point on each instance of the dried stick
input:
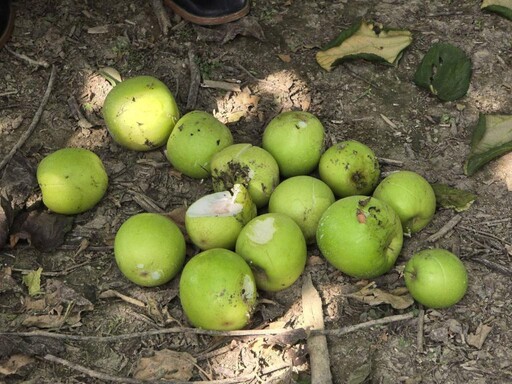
(494, 266)
(161, 16)
(34, 122)
(445, 228)
(37, 63)
(421, 326)
(195, 81)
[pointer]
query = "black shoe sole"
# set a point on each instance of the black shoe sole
(207, 20)
(6, 23)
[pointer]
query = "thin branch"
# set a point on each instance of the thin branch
(445, 228)
(421, 327)
(37, 63)
(34, 122)
(195, 81)
(494, 266)
(368, 324)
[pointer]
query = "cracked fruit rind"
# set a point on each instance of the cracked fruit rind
(436, 278)
(445, 71)
(217, 290)
(149, 249)
(140, 113)
(274, 247)
(364, 40)
(361, 236)
(349, 168)
(72, 180)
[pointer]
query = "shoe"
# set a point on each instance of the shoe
(209, 12)
(6, 21)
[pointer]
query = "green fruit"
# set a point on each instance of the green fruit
(72, 180)
(248, 165)
(149, 249)
(215, 220)
(436, 278)
(274, 247)
(296, 140)
(411, 196)
(140, 113)
(196, 138)
(349, 168)
(361, 236)
(217, 290)
(304, 199)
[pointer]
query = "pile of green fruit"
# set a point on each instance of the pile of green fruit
(269, 203)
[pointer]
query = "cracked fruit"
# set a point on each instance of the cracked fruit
(361, 236)
(72, 180)
(140, 113)
(149, 249)
(217, 290)
(436, 278)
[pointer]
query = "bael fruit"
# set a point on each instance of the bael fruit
(196, 137)
(149, 249)
(296, 140)
(215, 220)
(411, 196)
(72, 180)
(140, 113)
(436, 278)
(217, 290)
(304, 199)
(361, 236)
(275, 249)
(349, 168)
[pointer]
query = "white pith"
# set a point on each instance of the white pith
(216, 204)
(262, 231)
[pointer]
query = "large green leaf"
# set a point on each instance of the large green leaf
(446, 71)
(501, 7)
(367, 41)
(492, 137)
(450, 197)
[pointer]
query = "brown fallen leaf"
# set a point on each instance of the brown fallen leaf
(6, 219)
(247, 26)
(284, 58)
(370, 294)
(7, 282)
(15, 362)
(165, 364)
(478, 338)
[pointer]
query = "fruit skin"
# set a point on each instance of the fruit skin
(349, 168)
(248, 165)
(72, 180)
(217, 290)
(296, 140)
(411, 196)
(275, 248)
(436, 278)
(149, 249)
(361, 236)
(140, 113)
(304, 199)
(196, 137)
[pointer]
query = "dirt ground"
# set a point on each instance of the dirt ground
(268, 62)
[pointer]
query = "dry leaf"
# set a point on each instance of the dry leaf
(165, 364)
(14, 364)
(7, 283)
(6, 219)
(370, 294)
(33, 281)
(284, 58)
(477, 339)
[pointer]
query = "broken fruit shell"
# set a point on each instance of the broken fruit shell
(196, 137)
(140, 113)
(215, 220)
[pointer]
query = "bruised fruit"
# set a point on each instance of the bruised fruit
(149, 249)
(217, 290)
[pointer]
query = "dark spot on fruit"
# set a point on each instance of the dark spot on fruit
(191, 134)
(149, 143)
(218, 142)
(133, 99)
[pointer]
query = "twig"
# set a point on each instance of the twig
(161, 16)
(445, 228)
(483, 233)
(195, 81)
(388, 121)
(34, 122)
(386, 161)
(421, 327)
(224, 85)
(492, 265)
(37, 63)
(368, 324)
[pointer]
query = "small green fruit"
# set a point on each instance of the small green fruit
(196, 138)
(140, 113)
(349, 168)
(361, 236)
(249, 165)
(304, 199)
(411, 196)
(215, 220)
(275, 248)
(149, 249)
(296, 140)
(217, 290)
(72, 180)
(436, 278)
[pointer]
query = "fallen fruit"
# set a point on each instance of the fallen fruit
(196, 137)
(217, 290)
(411, 196)
(361, 236)
(349, 168)
(140, 113)
(149, 249)
(296, 140)
(275, 248)
(72, 180)
(304, 199)
(436, 278)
